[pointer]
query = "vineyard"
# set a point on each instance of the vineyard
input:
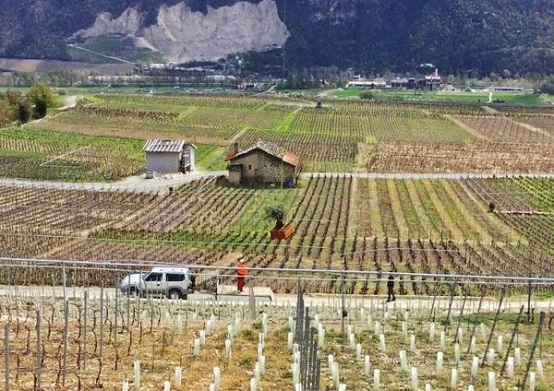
(45, 155)
(344, 223)
(39, 154)
(341, 222)
(351, 228)
(98, 339)
(343, 136)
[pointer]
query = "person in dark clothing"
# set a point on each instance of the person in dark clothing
(390, 289)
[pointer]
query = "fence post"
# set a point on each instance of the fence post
(343, 312)
(7, 355)
(216, 284)
(476, 317)
(251, 299)
(85, 311)
(512, 340)
(39, 347)
(530, 362)
(529, 299)
(66, 324)
(452, 293)
(493, 325)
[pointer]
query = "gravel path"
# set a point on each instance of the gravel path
(163, 183)
(490, 304)
(135, 183)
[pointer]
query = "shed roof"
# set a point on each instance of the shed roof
(170, 146)
(271, 149)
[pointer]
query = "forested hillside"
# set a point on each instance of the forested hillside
(369, 35)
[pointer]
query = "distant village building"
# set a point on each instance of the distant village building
(428, 83)
(506, 89)
(399, 82)
(433, 82)
(369, 83)
(262, 163)
(169, 156)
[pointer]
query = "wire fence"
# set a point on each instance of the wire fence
(108, 273)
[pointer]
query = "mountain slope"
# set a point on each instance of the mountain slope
(369, 35)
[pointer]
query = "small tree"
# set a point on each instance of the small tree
(277, 213)
(367, 95)
(24, 112)
(42, 97)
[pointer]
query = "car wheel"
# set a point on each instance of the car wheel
(174, 294)
(132, 292)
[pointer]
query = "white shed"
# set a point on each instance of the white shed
(169, 156)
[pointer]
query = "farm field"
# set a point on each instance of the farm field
(32, 152)
(343, 136)
(341, 223)
(95, 342)
(440, 96)
(344, 221)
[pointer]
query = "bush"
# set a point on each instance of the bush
(277, 213)
(367, 95)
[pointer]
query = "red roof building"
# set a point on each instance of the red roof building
(262, 163)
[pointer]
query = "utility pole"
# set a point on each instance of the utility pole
(282, 153)
(284, 45)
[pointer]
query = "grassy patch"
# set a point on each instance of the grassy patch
(254, 218)
(285, 125)
(20, 154)
(210, 157)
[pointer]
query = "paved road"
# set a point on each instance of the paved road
(489, 304)
(162, 184)
(136, 183)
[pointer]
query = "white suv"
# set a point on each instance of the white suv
(174, 283)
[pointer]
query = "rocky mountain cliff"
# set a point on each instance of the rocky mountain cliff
(183, 35)
(368, 35)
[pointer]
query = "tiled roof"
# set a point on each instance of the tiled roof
(271, 149)
(164, 145)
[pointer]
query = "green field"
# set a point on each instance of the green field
(431, 96)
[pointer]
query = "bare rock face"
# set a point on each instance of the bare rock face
(182, 35)
(128, 23)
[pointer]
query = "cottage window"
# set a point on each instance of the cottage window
(250, 166)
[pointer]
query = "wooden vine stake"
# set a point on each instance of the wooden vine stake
(530, 361)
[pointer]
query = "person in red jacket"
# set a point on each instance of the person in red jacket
(242, 273)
